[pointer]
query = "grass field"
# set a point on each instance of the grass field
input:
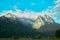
(30, 39)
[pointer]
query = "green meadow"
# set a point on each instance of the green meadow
(30, 39)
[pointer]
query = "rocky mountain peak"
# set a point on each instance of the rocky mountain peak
(42, 20)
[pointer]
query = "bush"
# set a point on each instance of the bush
(57, 34)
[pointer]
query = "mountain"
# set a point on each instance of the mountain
(46, 24)
(11, 25)
(12, 17)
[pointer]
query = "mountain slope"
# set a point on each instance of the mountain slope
(10, 25)
(46, 24)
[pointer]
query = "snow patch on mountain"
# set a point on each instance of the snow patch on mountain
(42, 20)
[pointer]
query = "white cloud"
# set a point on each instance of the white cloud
(55, 12)
(32, 4)
(28, 14)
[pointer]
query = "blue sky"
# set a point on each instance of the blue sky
(33, 5)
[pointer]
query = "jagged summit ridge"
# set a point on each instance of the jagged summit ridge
(8, 15)
(42, 20)
(46, 18)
